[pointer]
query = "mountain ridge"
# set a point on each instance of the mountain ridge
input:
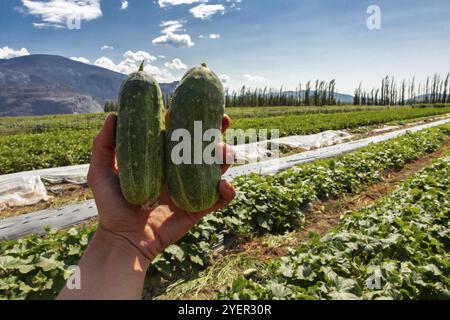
(49, 84)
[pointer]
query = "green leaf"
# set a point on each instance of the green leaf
(343, 295)
(278, 290)
(176, 251)
(196, 260)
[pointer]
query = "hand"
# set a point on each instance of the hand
(153, 230)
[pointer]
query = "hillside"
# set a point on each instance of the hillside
(46, 84)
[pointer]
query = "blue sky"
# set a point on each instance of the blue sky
(252, 42)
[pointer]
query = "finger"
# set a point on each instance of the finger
(227, 194)
(103, 162)
(226, 123)
(167, 117)
(226, 156)
(103, 153)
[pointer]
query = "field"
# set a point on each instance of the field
(280, 239)
(395, 249)
(63, 147)
(225, 155)
(40, 124)
(402, 237)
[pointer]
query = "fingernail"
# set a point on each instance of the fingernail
(228, 190)
(230, 156)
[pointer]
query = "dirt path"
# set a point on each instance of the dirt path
(69, 194)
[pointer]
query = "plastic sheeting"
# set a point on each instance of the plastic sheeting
(20, 191)
(27, 188)
(265, 150)
(16, 227)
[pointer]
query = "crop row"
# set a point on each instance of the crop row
(46, 150)
(315, 123)
(35, 267)
(41, 124)
(72, 147)
(396, 249)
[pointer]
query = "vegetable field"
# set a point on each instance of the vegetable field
(403, 236)
(41, 124)
(143, 157)
(395, 249)
(64, 147)
(305, 124)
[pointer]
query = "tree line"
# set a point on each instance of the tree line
(318, 94)
(435, 89)
(111, 106)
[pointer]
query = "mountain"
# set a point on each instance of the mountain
(47, 84)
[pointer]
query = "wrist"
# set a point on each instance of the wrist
(121, 247)
(110, 269)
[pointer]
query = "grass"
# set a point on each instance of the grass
(219, 276)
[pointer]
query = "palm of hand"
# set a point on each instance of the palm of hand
(151, 230)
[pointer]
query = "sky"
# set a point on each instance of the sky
(255, 43)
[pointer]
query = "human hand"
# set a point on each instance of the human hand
(153, 230)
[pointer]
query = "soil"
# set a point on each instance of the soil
(324, 216)
(67, 194)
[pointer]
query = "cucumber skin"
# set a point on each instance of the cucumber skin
(199, 97)
(140, 139)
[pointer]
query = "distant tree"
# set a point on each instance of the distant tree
(111, 106)
(445, 97)
(308, 94)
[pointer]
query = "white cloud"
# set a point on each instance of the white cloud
(161, 75)
(225, 79)
(8, 53)
(107, 63)
(174, 40)
(171, 37)
(161, 57)
(204, 11)
(47, 26)
(106, 47)
(176, 64)
(59, 12)
(170, 23)
(172, 26)
(128, 65)
(131, 63)
(254, 78)
(80, 59)
(124, 5)
(139, 56)
(213, 36)
(168, 3)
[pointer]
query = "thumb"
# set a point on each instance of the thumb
(104, 149)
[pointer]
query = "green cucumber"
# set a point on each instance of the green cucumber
(198, 98)
(140, 139)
